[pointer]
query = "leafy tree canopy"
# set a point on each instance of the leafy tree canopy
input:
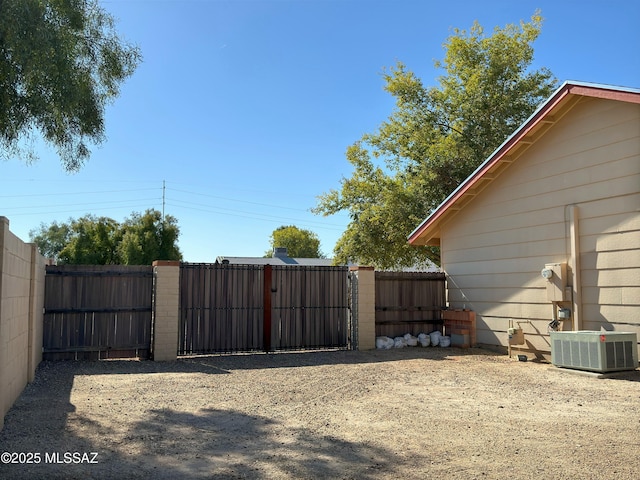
(91, 240)
(147, 237)
(51, 239)
(299, 242)
(61, 63)
(434, 139)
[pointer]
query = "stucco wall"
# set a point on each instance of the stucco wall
(22, 271)
(494, 249)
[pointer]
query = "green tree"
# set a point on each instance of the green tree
(61, 63)
(148, 237)
(434, 139)
(300, 243)
(90, 240)
(51, 239)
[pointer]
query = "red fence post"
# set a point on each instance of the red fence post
(266, 307)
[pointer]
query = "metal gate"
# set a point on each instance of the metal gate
(241, 308)
(97, 311)
(310, 307)
(220, 308)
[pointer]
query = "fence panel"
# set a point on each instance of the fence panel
(220, 308)
(97, 311)
(310, 307)
(409, 302)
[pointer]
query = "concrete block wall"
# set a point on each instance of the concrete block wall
(366, 306)
(22, 271)
(166, 298)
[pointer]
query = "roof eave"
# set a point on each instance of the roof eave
(425, 233)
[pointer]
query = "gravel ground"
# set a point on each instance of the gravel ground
(403, 413)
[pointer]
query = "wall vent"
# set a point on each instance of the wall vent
(595, 351)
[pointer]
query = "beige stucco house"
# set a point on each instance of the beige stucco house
(561, 194)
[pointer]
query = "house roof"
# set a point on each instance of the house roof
(316, 262)
(547, 114)
(279, 257)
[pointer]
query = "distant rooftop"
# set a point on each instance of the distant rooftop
(279, 257)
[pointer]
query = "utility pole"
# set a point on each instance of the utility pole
(163, 197)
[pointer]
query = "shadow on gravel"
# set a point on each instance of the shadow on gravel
(315, 358)
(172, 444)
(626, 375)
(630, 376)
(226, 363)
(229, 444)
(36, 432)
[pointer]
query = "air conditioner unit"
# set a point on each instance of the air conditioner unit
(595, 351)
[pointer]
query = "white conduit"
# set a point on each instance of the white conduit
(574, 263)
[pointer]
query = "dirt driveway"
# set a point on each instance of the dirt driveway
(405, 413)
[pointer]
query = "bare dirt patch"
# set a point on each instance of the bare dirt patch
(404, 413)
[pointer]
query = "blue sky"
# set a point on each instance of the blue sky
(245, 108)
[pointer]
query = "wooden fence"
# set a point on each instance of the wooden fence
(409, 302)
(97, 311)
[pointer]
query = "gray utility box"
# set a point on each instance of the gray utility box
(595, 351)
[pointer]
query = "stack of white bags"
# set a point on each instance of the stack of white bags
(434, 338)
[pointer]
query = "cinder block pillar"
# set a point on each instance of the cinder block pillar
(166, 309)
(365, 306)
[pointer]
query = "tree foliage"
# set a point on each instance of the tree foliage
(61, 63)
(92, 240)
(51, 239)
(434, 139)
(147, 237)
(299, 242)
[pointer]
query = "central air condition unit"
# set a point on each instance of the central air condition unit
(595, 351)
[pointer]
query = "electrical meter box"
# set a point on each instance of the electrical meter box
(516, 336)
(555, 275)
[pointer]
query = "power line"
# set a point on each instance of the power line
(164, 197)
(165, 200)
(239, 201)
(79, 209)
(114, 202)
(58, 194)
(265, 218)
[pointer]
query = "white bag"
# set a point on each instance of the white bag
(399, 342)
(411, 340)
(435, 338)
